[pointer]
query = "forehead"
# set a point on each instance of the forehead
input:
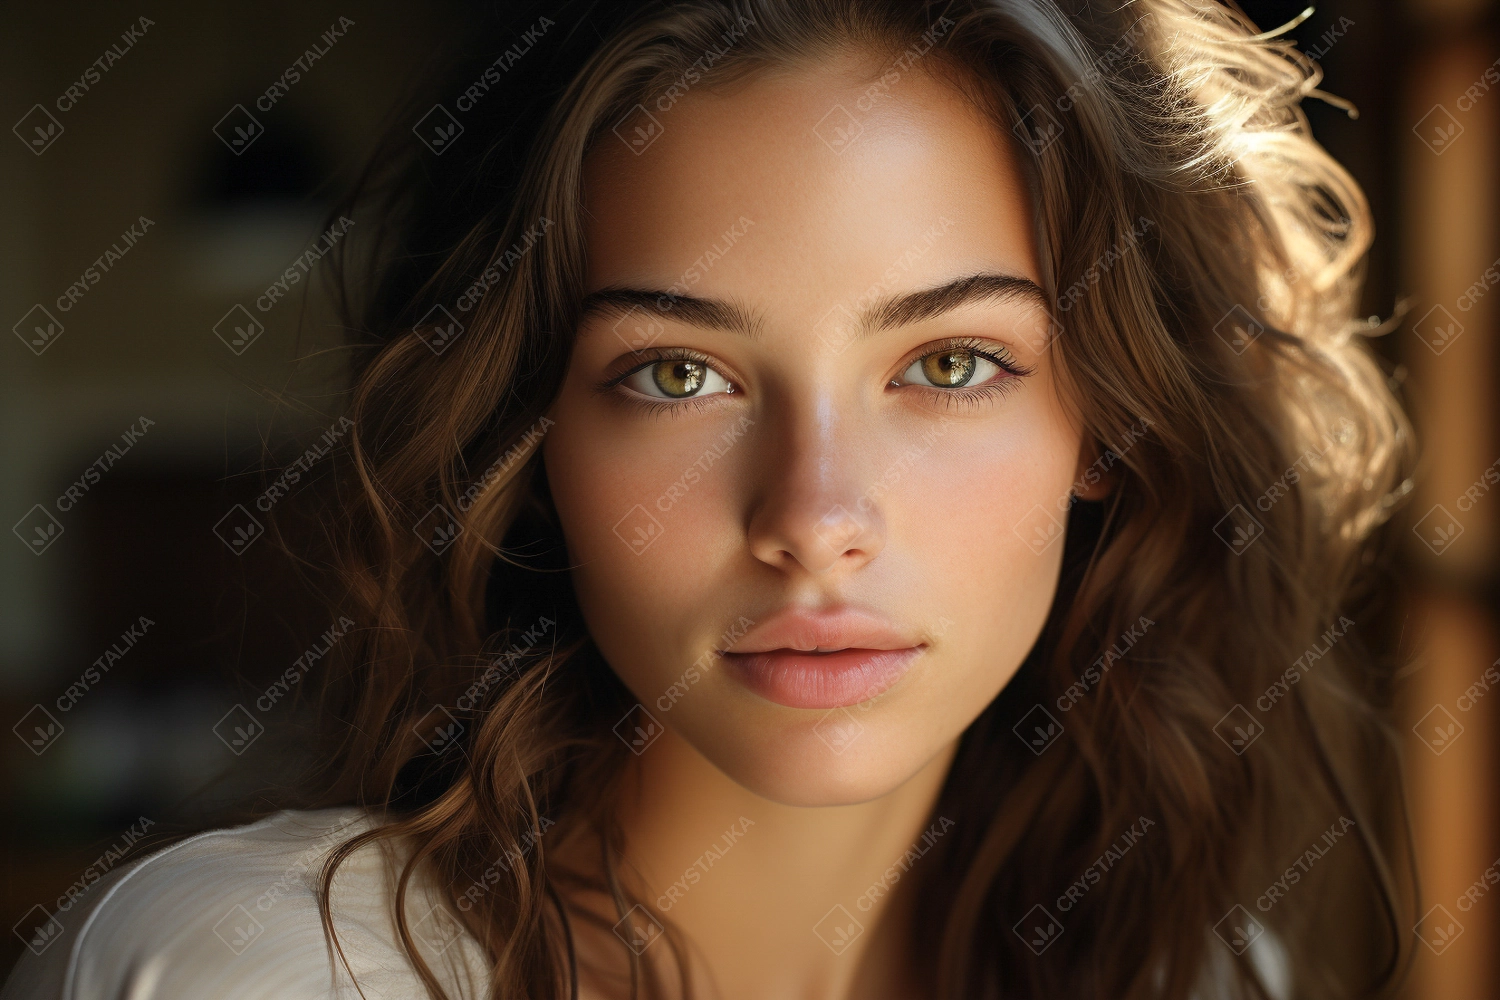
(801, 187)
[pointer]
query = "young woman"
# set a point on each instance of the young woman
(847, 498)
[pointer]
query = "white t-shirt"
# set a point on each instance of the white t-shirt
(233, 915)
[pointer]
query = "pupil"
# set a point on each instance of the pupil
(679, 378)
(949, 368)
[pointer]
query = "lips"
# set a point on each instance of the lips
(822, 659)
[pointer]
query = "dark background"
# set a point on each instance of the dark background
(140, 744)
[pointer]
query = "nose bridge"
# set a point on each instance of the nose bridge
(809, 510)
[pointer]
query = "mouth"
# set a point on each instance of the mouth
(837, 678)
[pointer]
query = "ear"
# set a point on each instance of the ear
(1096, 475)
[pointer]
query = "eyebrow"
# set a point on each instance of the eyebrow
(897, 310)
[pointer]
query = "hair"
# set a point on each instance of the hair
(1204, 258)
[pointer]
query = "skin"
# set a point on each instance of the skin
(938, 537)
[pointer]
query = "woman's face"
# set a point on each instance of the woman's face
(811, 421)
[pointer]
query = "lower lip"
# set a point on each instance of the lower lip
(821, 680)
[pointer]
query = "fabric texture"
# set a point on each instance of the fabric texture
(232, 914)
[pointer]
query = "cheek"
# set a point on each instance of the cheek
(645, 526)
(984, 519)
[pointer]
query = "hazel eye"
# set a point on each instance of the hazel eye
(951, 368)
(677, 378)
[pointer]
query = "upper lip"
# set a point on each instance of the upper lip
(809, 629)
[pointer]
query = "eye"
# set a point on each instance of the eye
(950, 368)
(676, 378)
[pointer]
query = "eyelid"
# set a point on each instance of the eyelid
(648, 356)
(992, 350)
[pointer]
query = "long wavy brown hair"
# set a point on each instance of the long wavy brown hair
(1212, 657)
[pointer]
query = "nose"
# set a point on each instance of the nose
(814, 511)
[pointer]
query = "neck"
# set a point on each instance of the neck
(756, 886)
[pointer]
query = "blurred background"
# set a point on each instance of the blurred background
(168, 166)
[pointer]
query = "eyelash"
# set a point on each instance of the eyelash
(967, 397)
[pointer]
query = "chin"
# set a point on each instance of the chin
(821, 758)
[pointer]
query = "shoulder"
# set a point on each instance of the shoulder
(234, 913)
